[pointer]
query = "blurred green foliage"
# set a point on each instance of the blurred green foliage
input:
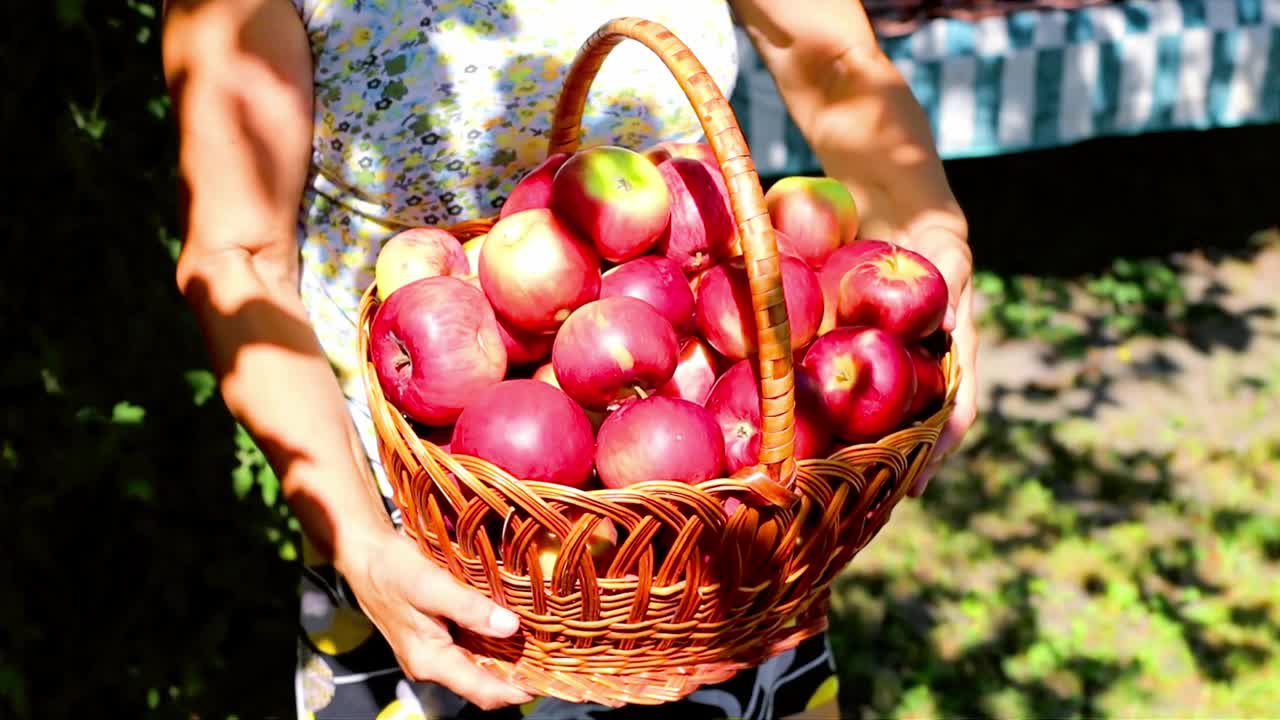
(149, 560)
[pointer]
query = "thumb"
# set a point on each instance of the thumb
(952, 256)
(436, 592)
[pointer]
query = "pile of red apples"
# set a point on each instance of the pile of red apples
(601, 333)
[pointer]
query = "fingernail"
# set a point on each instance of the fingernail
(503, 621)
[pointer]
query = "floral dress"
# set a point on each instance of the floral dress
(427, 113)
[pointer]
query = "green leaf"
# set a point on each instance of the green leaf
(70, 12)
(141, 489)
(126, 413)
(242, 480)
(153, 698)
(203, 384)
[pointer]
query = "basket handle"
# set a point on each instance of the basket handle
(775, 475)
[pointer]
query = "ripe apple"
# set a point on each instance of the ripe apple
(602, 545)
(866, 380)
(530, 429)
(897, 290)
(546, 373)
(701, 230)
(524, 348)
(817, 213)
(669, 149)
(696, 370)
(735, 403)
(417, 253)
(535, 270)
(613, 349)
(435, 344)
(659, 438)
(931, 383)
(613, 197)
(657, 281)
(725, 316)
(840, 262)
(534, 189)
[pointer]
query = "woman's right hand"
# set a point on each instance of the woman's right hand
(409, 599)
(239, 75)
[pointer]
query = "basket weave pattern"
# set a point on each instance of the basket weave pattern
(692, 595)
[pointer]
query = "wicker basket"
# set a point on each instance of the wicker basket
(693, 596)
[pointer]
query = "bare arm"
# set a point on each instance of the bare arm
(866, 128)
(239, 73)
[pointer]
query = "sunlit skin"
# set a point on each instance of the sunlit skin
(536, 271)
(614, 349)
(896, 290)
(613, 197)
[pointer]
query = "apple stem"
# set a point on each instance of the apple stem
(639, 391)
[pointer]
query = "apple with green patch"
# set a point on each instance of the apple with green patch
(615, 198)
(818, 214)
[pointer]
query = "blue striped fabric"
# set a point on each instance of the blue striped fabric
(1040, 79)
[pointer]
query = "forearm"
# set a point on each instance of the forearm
(277, 382)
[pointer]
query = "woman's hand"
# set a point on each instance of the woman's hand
(409, 598)
(867, 129)
(239, 74)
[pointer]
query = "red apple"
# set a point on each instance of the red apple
(735, 403)
(613, 349)
(614, 197)
(535, 270)
(866, 380)
(931, 383)
(546, 373)
(696, 370)
(817, 213)
(701, 230)
(657, 281)
(840, 262)
(659, 438)
(530, 429)
(435, 344)
(417, 253)
(897, 290)
(524, 348)
(725, 316)
(669, 149)
(534, 189)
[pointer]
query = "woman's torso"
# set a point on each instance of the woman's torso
(428, 112)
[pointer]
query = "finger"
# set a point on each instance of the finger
(437, 593)
(447, 665)
(963, 415)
